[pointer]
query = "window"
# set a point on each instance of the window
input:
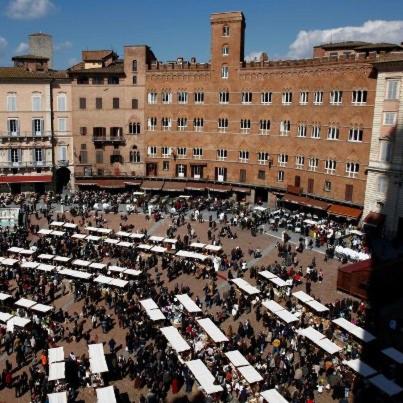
(301, 130)
(83, 157)
(264, 126)
(245, 126)
(166, 97)
(135, 103)
(224, 72)
(15, 156)
(261, 174)
(83, 131)
(355, 135)
(385, 151)
(134, 157)
(303, 97)
(134, 128)
(286, 98)
(220, 174)
(246, 97)
(38, 155)
(36, 102)
(262, 158)
(134, 65)
(243, 156)
(11, 102)
(333, 133)
(115, 103)
(13, 127)
(266, 98)
(285, 127)
(198, 153)
(62, 123)
(336, 97)
(328, 186)
(83, 103)
(198, 124)
(99, 156)
(99, 132)
(182, 97)
(280, 176)
(152, 97)
(166, 152)
(63, 153)
(199, 97)
(352, 169)
(222, 154)
(330, 167)
(37, 127)
(282, 159)
(318, 98)
(225, 30)
(152, 124)
(114, 80)
(181, 170)
(315, 134)
(165, 165)
(359, 97)
(61, 103)
(382, 184)
(224, 97)
(181, 152)
(313, 163)
(152, 151)
(97, 80)
(182, 124)
(98, 103)
(392, 89)
(166, 124)
(225, 50)
(389, 118)
(299, 161)
(222, 125)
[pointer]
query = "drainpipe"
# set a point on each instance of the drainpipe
(52, 135)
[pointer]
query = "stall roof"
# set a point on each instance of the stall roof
(57, 371)
(344, 211)
(94, 238)
(355, 330)
(170, 240)
(272, 306)
(4, 296)
(360, 367)
(56, 224)
(203, 376)
(387, 386)
(44, 231)
(97, 358)
(98, 266)
(267, 274)
(287, 316)
(76, 274)
(278, 282)
(29, 265)
(8, 262)
(117, 269)
(70, 225)
(18, 321)
(197, 245)
(79, 236)
(137, 236)
(250, 374)
(56, 354)
(272, 396)
(106, 395)
(393, 354)
(245, 286)
(27, 252)
(149, 304)
(14, 249)
(236, 358)
(302, 296)
(144, 246)
(111, 241)
(45, 256)
(123, 233)
(212, 330)
(175, 339)
(62, 259)
(188, 303)
(5, 317)
(46, 267)
(57, 233)
(59, 397)
(155, 314)
(132, 272)
(125, 244)
(311, 334)
(25, 303)
(80, 262)
(155, 238)
(328, 346)
(213, 248)
(317, 306)
(158, 249)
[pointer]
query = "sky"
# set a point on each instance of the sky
(180, 28)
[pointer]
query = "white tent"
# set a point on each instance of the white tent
(42, 308)
(175, 339)
(272, 396)
(56, 224)
(97, 358)
(136, 236)
(5, 317)
(188, 303)
(360, 367)
(25, 303)
(4, 296)
(98, 266)
(75, 273)
(393, 354)
(56, 371)
(236, 358)
(46, 267)
(155, 238)
(387, 386)
(111, 241)
(59, 397)
(55, 354)
(250, 374)
(29, 265)
(267, 274)
(212, 330)
(81, 263)
(245, 286)
(197, 245)
(79, 236)
(46, 256)
(355, 330)
(106, 395)
(203, 376)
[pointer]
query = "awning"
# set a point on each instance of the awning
(26, 179)
(85, 183)
(152, 185)
(132, 183)
(374, 219)
(344, 211)
(218, 187)
(201, 186)
(174, 186)
(104, 183)
(240, 190)
(306, 201)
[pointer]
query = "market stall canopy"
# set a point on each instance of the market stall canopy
(273, 396)
(175, 339)
(212, 330)
(188, 303)
(59, 397)
(203, 376)
(106, 395)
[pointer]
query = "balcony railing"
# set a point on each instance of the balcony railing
(106, 139)
(63, 163)
(20, 134)
(25, 164)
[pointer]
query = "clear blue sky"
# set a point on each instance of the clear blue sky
(175, 28)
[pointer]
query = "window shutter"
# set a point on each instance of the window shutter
(33, 126)
(42, 125)
(33, 155)
(9, 155)
(19, 153)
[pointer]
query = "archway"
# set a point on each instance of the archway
(62, 178)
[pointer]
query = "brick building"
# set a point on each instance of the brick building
(298, 127)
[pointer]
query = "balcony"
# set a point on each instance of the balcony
(24, 135)
(25, 164)
(108, 139)
(63, 163)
